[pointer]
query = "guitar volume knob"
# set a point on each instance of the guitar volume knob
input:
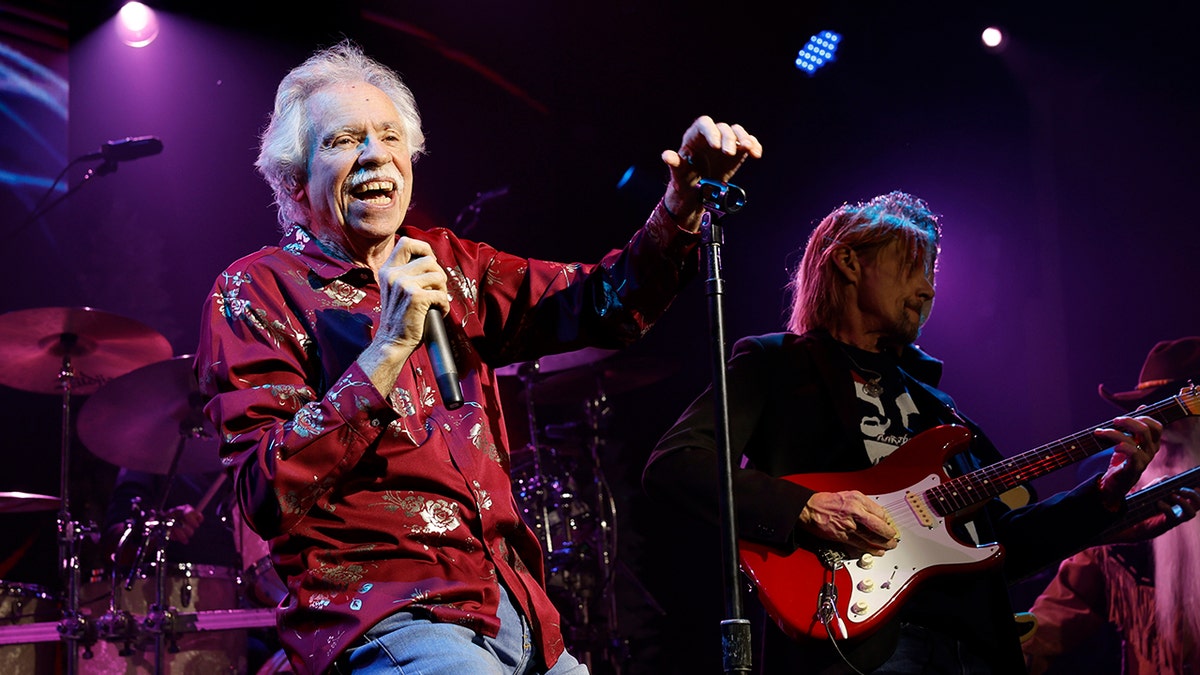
(866, 585)
(866, 561)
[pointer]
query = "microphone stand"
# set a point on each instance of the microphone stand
(470, 213)
(718, 200)
(42, 207)
(112, 153)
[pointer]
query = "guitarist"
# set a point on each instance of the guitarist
(1147, 592)
(843, 388)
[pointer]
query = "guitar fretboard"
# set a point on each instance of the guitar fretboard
(973, 488)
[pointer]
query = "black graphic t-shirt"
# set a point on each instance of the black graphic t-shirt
(889, 415)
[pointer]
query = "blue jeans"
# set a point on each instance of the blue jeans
(404, 644)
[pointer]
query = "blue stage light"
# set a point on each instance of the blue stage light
(819, 51)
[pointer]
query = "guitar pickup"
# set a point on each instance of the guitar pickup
(920, 510)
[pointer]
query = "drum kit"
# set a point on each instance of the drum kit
(564, 495)
(143, 413)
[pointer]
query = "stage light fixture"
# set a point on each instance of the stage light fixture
(819, 51)
(136, 24)
(993, 38)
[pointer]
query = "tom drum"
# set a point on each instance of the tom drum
(22, 604)
(188, 589)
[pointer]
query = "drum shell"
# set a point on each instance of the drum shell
(188, 589)
(22, 604)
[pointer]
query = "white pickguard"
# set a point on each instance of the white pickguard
(878, 579)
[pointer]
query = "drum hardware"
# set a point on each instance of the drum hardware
(565, 496)
(24, 609)
(128, 367)
(72, 350)
(161, 620)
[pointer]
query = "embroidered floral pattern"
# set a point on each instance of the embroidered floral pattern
(482, 498)
(343, 294)
(309, 420)
(342, 575)
(440, 516)
(321, 441)
(465, 287)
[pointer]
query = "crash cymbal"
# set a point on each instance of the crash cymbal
(27, 502)
(138, 420)
(612, 376)
(556, 362)
(100, 345)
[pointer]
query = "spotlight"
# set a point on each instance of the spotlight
(819, 51)
(993, 38)
(136, 24)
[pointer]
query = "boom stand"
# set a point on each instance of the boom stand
(720, 199)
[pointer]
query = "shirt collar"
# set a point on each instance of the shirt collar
(326, 263)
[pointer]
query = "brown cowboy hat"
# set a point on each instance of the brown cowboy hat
(1169, 366)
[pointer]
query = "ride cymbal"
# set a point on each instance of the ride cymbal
(139, 420)
(613, 376)
(35, 344)
(556, 362)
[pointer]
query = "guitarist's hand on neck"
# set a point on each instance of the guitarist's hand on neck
(1175, 508)
(850, 518)
(1135, 442)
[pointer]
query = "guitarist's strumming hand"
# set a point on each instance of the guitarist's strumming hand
(1135, 442)
(850, 518)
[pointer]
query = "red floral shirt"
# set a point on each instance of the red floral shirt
(374, 504)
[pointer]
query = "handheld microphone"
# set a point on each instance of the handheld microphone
(126, 149)
(444, 369)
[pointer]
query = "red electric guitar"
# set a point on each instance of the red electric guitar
(835, 595)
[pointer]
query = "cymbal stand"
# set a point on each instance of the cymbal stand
(597, 410)
(528, 374)
(74, 628)
(160, 619)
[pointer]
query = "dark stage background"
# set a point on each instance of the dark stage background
(1065, 168)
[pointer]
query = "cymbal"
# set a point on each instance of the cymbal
(138, 421)
(100, 346)
(557, 362)
(613, 376)
(27, 502)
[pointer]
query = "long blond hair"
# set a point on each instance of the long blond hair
(866, 227)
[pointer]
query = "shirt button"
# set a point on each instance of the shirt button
(374, 422)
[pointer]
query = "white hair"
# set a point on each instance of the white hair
(1177, 551)
(283, 150)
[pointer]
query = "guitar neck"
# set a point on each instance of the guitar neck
(1142, 504)
(970, 489)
